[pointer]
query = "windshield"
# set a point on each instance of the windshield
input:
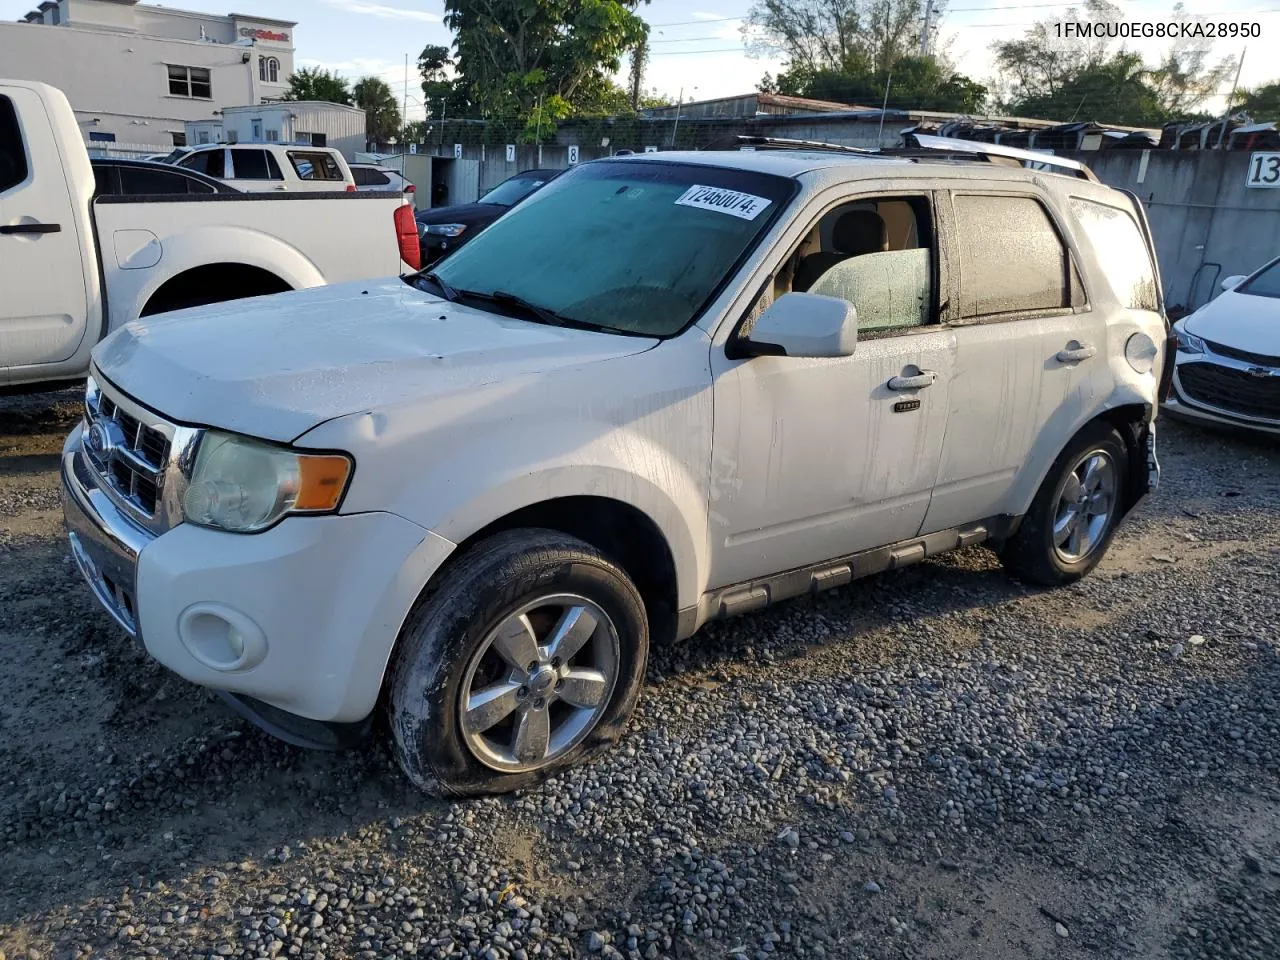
(634, 246)
(510, 192)
(1264, 283)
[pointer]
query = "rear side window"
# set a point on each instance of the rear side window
(13, 156)
(1121, 250)
(315, 166)
(138, 182)
(255, 165)
(1011, 257)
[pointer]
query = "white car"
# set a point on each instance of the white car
(371, 178)
(476, 495)
(257, 167)
(80, 257)
(1228, 360)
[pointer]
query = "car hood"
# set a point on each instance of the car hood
(463, 213)
(274, 367)
(1239, 320)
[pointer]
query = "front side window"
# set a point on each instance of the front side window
(195, 82)
(1264, 283)
(210, 162)
(315, 166)
(13, 155)
(632, 246)
(878, 254)
(1122, 251)
(1012, 260)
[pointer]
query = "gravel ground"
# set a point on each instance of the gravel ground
(933, 763)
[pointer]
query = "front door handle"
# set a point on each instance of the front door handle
(918, 381)
(31, 228)
(1076, 351)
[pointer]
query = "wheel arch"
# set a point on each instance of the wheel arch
(180, 289)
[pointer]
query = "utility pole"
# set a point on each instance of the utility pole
(1226, 115)
(404, 115)
(884, 107)
(924, 33)
(676, 125)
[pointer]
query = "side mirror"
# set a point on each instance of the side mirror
(803, 325)
(1232, 282)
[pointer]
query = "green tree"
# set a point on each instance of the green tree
(635, 77)
(314, 83)
(381, 112)
(847, 36)
(1040, 76)
(441, 93)
(511, 54)
(921, 83)
(1262, 103)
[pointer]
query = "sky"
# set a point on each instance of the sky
(697, 49)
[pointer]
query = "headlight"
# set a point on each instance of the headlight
(245, 485)
(446, 229)
(1188, 343)
(1141, 352)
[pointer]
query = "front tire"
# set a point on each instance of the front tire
(526, 659)
(1075, 513)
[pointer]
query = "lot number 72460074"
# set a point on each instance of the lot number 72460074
(1264, 170)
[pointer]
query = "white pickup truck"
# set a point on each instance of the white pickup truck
(72, 268)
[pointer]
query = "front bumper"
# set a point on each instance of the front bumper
(301, 618)
(1219, 409)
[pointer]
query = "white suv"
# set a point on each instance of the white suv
(477, 495)
(259, 167)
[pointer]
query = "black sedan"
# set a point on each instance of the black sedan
(442, 230)
(118, 177)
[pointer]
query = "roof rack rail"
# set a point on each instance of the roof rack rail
(930, 146)
(781, 143)
(925, 147)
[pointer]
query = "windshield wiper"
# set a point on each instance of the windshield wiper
(542, 313)
(449, 292)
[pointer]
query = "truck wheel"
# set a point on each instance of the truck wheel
(526, 659)
(1075, 513)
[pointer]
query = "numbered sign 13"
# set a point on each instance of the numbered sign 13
(1264, 170)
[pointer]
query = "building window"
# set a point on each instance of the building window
(273, 136)
(194, 82)
(179, 139)
(268, 69)
(96, 137)
(257, 131)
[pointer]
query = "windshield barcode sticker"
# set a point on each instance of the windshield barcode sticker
(745, 206)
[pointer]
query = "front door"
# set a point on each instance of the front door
(43, 302)
(815, 459)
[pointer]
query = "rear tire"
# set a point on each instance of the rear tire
(1075, 513)
(525, 660)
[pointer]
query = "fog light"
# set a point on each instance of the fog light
(220, 637)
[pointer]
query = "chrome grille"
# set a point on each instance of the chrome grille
(136, 454)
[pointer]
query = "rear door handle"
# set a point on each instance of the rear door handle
(1074, 354)
(31, 228)
(919, 381)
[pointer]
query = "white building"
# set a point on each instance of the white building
(316, 124)
(136, 73)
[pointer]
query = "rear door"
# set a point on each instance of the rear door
(1025, 340)
(43, 297)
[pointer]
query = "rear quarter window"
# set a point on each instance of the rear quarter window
(1121, 250)
(315, 166)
